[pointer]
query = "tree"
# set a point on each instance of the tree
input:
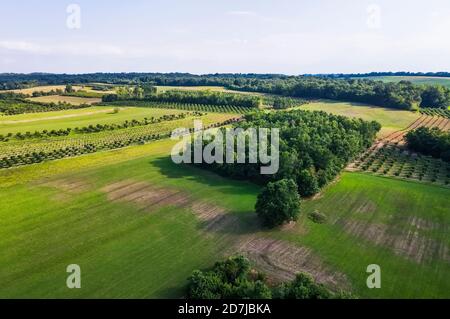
(69, 88)
(302, 287)
(307, 183)
(435, 96)
(278, 203)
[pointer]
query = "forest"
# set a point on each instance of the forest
(314, 147)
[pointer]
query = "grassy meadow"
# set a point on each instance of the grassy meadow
(127, 250)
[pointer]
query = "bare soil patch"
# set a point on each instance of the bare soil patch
(281, 261)
(146, 196)
(409, 243)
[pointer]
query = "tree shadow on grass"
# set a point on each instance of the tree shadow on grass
(196, 175)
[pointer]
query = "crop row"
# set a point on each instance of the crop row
(394, 161)
(188, 107)
(97, 128)
(23, 152)
(436, 112)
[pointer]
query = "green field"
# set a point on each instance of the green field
(63, 212)
(420, 80)
(76, 118)
(391, 120)
(138, 224)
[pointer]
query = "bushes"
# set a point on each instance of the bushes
(234, 278)
(302, 287)
(278, 203)
(428, 141)
(227, 279)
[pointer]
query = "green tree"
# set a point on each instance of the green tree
(302, 287)
(278, 203)
(69, 89)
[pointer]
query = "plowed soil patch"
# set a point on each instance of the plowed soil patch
(281, 261)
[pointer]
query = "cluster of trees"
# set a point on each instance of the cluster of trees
(186, 97)
(234, 279)
(48, 93)
(280, 103)
(16, 103)
(433, 142)
(401, 95)
(314, 147)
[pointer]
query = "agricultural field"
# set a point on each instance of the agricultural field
(74, 100)
(34, 150)
(420, 80)
(138, 224)
(389, 157)
(391, 120)
(77, 118)
(436, 112)
(43, 88)
(113, 202)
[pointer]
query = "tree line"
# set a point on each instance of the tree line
(430, 141)
(185, 97)
(402, 95)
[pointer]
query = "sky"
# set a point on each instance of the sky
(224, 36)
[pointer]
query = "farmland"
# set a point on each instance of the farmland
(74, 100)
(76, 118)
(390, 120)
(109, 198)
(91, 210)
(388, 157)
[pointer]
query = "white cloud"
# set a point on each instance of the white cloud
(69, 48)
(243, 13)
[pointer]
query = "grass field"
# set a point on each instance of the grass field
(76, 118)
(420, 80)
(74, 100)
(391, 120)
(98, 211)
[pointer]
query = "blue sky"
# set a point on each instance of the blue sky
(208, 36)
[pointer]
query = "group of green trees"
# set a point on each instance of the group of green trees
(234, 279)
(313, 148)
(434, 142)
(185, 97)
(16, 103)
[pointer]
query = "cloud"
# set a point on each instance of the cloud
(243, 13)
(69, 48)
